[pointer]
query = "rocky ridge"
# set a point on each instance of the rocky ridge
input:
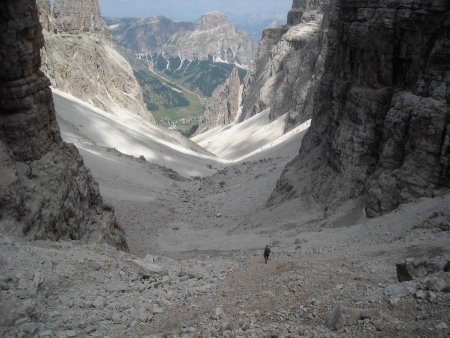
(380, 127)
(223, 106)
(79, 57)
(288, 65)
(46, 191)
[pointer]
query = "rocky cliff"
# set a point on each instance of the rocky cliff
(289, 64)
(222, 107)
(79, 57)
(381, 124)
(46, 192)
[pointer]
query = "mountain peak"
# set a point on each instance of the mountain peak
(211, 20)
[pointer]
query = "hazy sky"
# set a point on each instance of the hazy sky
(191, 9)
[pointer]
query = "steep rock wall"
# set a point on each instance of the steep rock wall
(381, 123)
(79, 57)
(289, 64)
(75, 17)
(222, 107)
(46, 192)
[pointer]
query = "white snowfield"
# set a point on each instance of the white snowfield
(92, 129)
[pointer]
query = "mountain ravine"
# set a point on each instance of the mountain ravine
(173, 59)
(194, 216)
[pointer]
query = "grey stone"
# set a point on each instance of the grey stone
(434, 283)
(157, 309)
(420, 294)
(146, 270)
(401, 289)
(442, 326)
(117, 317)
(413, 268)
(343, 316)
(70, 334)
(99, 302)
(220, 314)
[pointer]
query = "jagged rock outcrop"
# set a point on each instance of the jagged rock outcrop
(75, 17)
(213, 35)
(289, 63)
(381, 124)
(80, 58)
(222, 107)
(46, 192)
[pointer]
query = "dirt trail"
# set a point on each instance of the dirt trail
(254, 287)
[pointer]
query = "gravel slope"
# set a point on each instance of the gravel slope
(196, 267)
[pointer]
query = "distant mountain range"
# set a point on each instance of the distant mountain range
(211, 35)
(178, 64)
(254, 24)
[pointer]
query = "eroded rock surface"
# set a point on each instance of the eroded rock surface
(46, 192)
(380, 126)
(80, 58)
(222, 107)
(289, 63)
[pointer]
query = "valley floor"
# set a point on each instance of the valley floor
(196, 267)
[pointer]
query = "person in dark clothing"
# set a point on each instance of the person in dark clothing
(266, 253)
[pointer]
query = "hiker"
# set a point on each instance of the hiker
(266, 253)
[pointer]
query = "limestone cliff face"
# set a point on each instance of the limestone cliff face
(79, 57)
(222, 107)
(46, 192)
(381, 123)
(289, 64)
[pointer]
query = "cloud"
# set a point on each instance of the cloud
(190, 9)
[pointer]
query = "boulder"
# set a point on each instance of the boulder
(413, 268)
(343, 316)
(145, 270)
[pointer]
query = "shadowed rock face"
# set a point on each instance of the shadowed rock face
(46, 192)
(381, 123)
(29, 126)
(289, 64)
(222, 107)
